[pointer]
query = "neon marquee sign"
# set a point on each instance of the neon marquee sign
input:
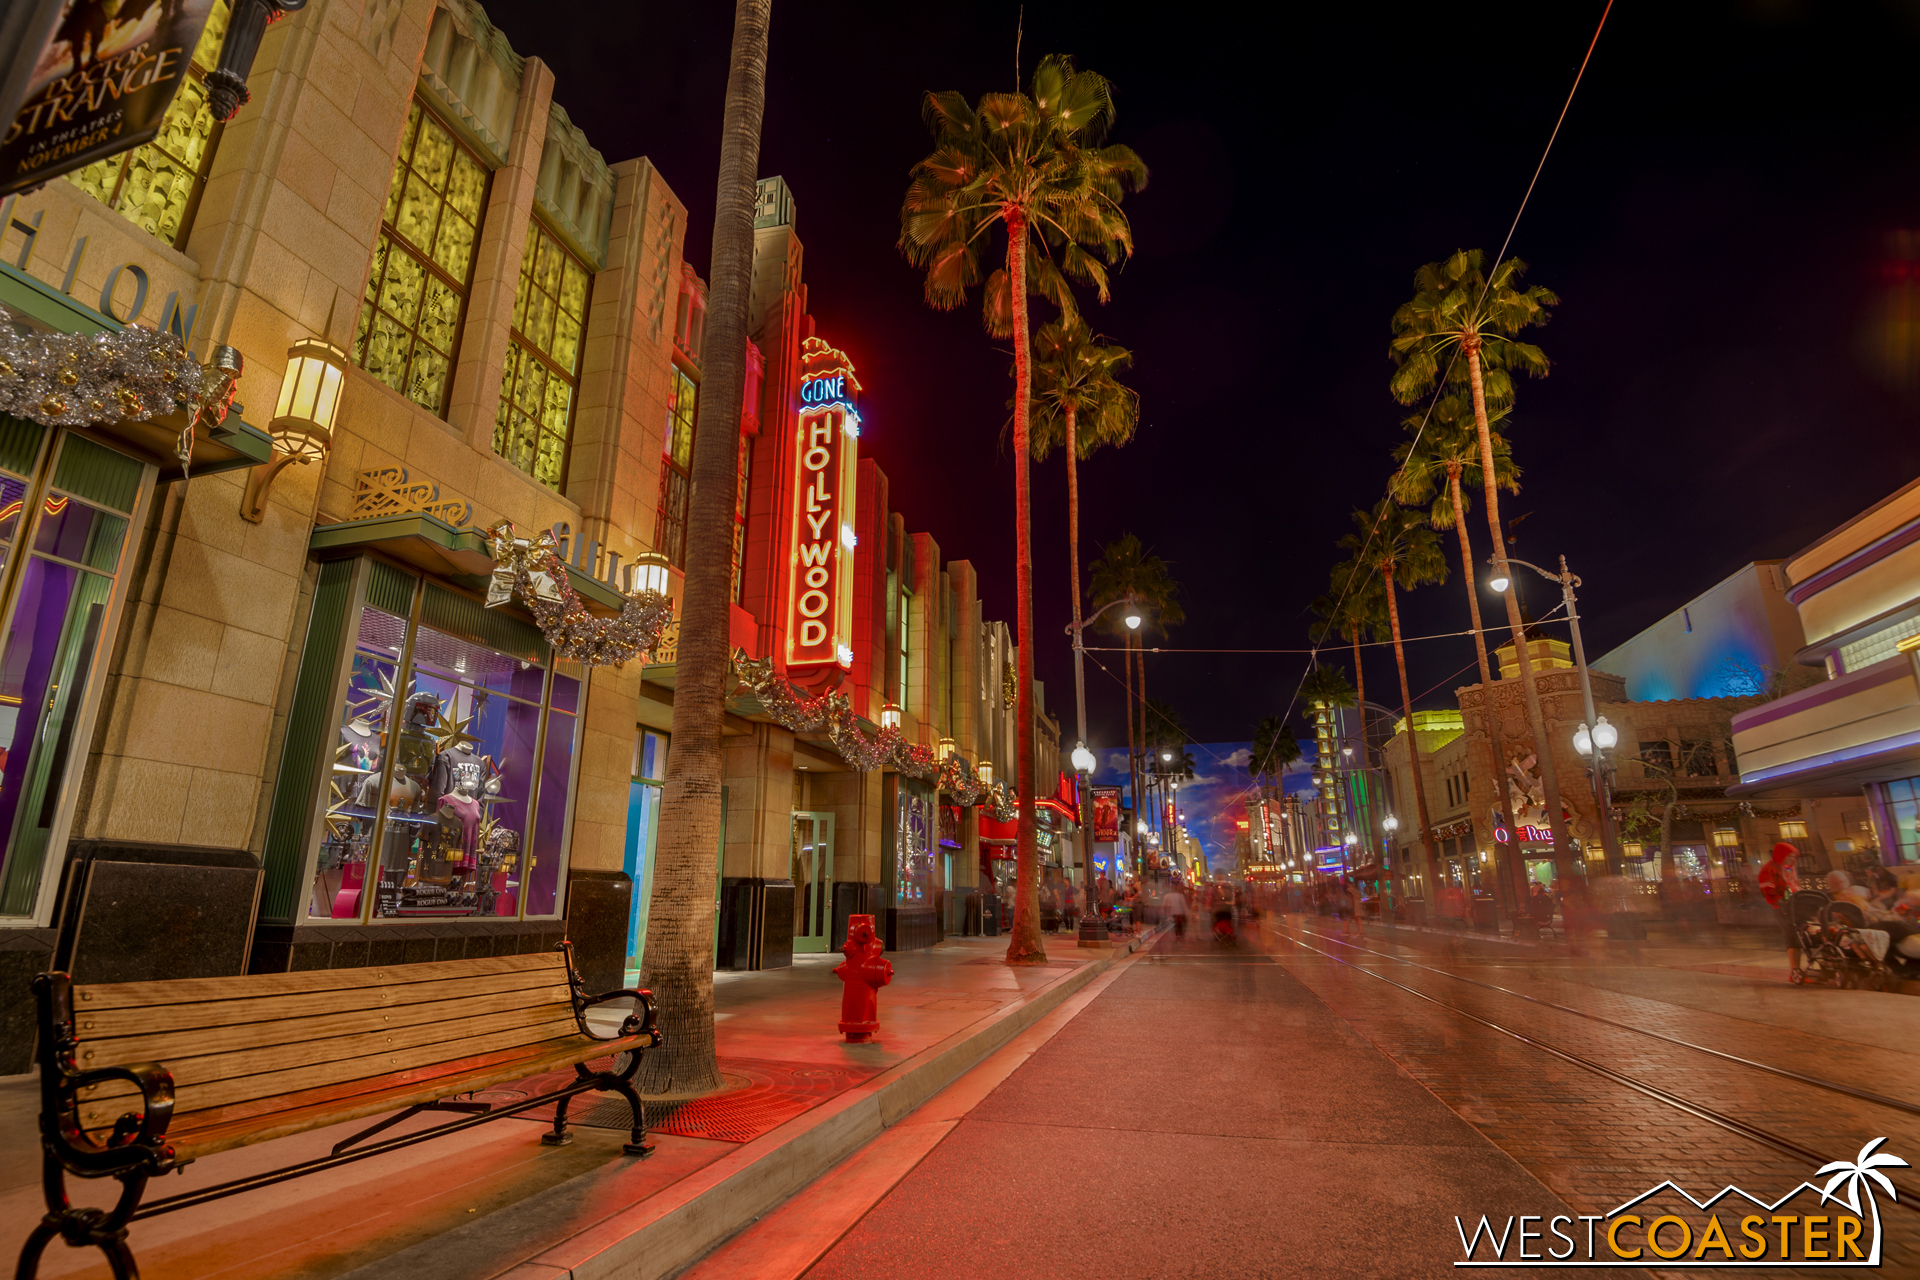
(1528, 834)
(821, 538)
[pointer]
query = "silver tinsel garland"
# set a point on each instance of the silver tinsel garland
(81, 379)
(834, 713)
(534, 567)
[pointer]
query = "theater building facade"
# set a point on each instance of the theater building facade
(256, 713)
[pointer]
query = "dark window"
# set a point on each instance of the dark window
(1657, 755)
(1696, 758)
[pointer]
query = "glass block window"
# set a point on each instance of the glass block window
(417, 291)
(676, 472)
(535, 417)
(1879, 646)
(157, 186)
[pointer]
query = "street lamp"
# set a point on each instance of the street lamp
(1594, 732)
(1390, 824)
(1077, 629)
(1093, 928)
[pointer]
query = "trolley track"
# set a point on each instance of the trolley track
(1908, 1198)
(1833, 1086)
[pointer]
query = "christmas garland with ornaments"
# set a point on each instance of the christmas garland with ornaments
(833, 713)
(533, 567)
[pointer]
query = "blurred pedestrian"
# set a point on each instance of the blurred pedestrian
(1779, 881)
(1174, 907)
(1354, 904)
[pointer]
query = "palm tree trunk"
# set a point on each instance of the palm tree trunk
(1503, 872)
(679, 954)
(1569, 869)
(1413, 747)
(1073, 514)
(1025, 946)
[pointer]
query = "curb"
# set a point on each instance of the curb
(659, 1235)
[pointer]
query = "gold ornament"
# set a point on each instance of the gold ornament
(67, 377)
(53, 406)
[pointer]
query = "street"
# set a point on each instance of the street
(1286, 1108)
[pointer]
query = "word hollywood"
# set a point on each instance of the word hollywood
(1636, 1235)
(820, 556)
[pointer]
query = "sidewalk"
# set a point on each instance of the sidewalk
(494, 1202)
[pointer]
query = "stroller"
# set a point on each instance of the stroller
(1836, 946)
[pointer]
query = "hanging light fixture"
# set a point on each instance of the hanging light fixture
(303, 418)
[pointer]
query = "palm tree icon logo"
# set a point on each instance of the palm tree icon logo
(1863, 1172)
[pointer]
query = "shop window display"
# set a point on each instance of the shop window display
(469, 816)
(912, 848)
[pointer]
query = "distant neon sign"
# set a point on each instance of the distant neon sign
(824, 390)
(1529, 834)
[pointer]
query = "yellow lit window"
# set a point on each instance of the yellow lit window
(1793, 831)
(157, 186)
(535, 418)
(417, 291)
(1724, 839)
(676, 471)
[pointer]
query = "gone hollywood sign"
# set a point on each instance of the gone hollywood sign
(821, 541)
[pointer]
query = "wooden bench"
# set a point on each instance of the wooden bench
(140, 1078)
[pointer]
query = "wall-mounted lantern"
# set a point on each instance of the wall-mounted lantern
(227, 82)
(302, 426)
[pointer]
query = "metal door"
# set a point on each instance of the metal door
(812, 874)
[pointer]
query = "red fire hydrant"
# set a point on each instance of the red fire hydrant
(865, 972)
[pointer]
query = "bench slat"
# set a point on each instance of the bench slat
(91, 1025)
(120, 995)
(211, 1131)
(202, 1041)
(351, 1075)
(451, 1035)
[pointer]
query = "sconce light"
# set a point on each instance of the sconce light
(985, 773)
(246, 24)
(302, 426)
(890, 716)
(650, 571)
(944, 749)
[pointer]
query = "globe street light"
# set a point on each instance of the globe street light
(1093, 929)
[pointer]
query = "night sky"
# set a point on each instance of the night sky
(1725, 215)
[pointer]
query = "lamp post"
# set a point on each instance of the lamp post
(1077, 629)
(1591, 730)
(1093, 929)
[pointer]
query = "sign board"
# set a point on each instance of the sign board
(1106, 814)
(101, 85)
(821, 539)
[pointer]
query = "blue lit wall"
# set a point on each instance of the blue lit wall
(1722, 643)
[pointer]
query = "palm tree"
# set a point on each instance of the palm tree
(1405, 553)
(1124, 569)
(1078, 404)
(1443, 455)
(679, 953)
(1033, 164)
(1275, 749)
(1863, 1173)
(1458, 311)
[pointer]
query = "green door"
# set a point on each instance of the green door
(812, 882)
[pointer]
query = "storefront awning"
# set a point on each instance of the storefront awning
(232, 445)
(431, 545)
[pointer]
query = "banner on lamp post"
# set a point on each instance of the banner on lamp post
(100, 84)
(1106, 814)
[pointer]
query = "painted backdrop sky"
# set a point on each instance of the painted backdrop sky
(1214, 800)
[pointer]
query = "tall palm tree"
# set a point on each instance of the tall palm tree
(1354, 605)
(679, 953)
(1442, 457)
(1078, 404)
(1472, 319)
(1124, 568)
(1405, 553)
(1032, 164)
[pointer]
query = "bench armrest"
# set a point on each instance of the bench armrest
(137, 1141)
(634, 1024)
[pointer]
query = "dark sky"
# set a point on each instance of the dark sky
(1725, 216)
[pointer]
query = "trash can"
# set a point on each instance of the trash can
(1485, 918)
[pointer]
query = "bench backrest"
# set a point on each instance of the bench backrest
(238, 1047)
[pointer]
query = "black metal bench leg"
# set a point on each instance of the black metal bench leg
(622, 1083)
(104, 1229)
(559, 1137)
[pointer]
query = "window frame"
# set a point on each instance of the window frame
(669, 535)
(388, 233)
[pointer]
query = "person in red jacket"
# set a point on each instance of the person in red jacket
(1778, 883)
